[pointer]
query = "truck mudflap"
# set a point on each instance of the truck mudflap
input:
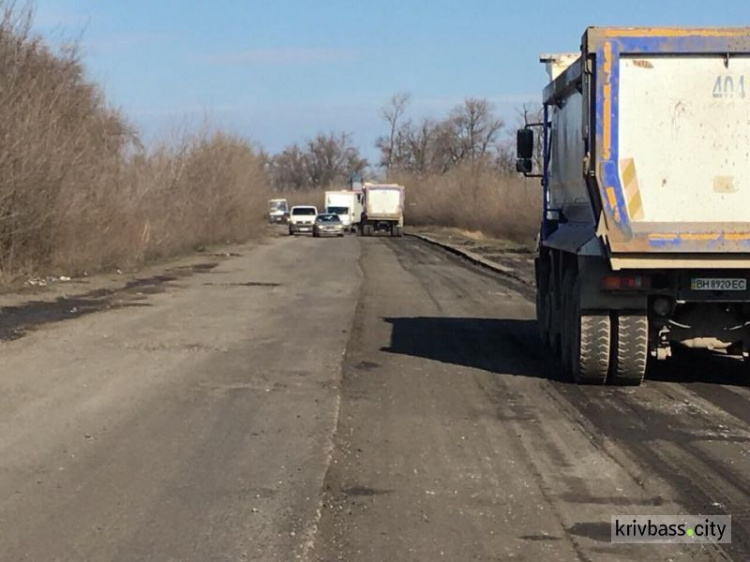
(575, 238)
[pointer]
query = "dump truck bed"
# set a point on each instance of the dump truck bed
(663, 139)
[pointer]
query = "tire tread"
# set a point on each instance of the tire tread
(631, 354)
(593, 357)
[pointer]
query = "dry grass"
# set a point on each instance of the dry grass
(474, 197)
(78, 193)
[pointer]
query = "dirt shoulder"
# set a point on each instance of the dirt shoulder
(517, 257)
(38, 301)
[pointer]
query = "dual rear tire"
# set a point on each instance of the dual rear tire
(596, 347)
(586, 337)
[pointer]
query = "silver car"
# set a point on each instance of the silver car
(328, 224)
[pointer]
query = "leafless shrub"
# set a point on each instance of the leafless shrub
(474, 196)
(78, 192)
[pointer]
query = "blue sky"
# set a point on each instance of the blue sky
(277, 71)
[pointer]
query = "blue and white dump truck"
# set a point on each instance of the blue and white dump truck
(645, 164)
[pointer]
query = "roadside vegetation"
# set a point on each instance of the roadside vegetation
(474, 197)
(459, 171)
(303, 172)
(79, 192)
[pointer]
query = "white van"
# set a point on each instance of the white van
(302, 219)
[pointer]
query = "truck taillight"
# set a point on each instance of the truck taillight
(625, 282)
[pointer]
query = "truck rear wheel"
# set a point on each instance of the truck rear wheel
(631, 349)
(586, 338)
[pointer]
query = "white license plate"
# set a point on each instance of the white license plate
(304, 228)
(709, 284)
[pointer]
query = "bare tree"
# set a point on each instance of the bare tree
(470, 131)
(392, 112)
(420, 143)
(332, 158)
(324, 160)
(289, 168)
(476, 128)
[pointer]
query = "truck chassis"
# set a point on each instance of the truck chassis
(370, 227)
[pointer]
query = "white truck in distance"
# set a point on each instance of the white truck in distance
(278, 211)
(347, 205)
(383, 209)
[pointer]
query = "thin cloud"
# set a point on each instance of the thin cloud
(181, 110)
(55, 18)
(282, 56)
(125, 41)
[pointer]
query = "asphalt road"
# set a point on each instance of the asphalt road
(345, 399)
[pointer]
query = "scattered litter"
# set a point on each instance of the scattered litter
(42, 282)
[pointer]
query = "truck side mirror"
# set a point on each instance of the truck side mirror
(524, 166)
(525, 144)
